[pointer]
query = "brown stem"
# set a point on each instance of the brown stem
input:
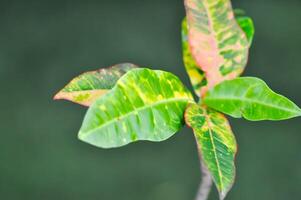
(205, 186)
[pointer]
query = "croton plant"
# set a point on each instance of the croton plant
(128, 103)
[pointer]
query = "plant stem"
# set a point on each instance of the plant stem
(205, 186)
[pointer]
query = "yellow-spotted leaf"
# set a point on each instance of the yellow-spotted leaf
(218, 45)
(216, 144)
(87, 87)
(143, 105)
(252, 99)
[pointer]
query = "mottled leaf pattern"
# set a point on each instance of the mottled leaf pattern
(216, 144)
(143, 105)
(87, 87)
(196, 75)
(129, 104)
(217, 43)
(252, 99)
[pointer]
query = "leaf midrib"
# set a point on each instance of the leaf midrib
(243, 99)
(87, 90)
(214, 150)
(213, 32)
(120, 118)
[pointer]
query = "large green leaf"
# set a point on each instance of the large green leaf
(217, 43)
(216, 144)
(246, 24)
(252, 99)
(87, 87)
(143, 105)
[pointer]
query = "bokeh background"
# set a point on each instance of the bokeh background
(45, 43)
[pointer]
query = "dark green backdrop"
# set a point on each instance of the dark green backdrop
(43, 44)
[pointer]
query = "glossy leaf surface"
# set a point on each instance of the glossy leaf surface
(144, 105)
(216, 144)
(87, 87)
(252, 99)
(217, 43)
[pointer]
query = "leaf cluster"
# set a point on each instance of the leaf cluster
(128, 103)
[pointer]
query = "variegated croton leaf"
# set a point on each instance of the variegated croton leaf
(87, 87)
(196, 74)
(218, 45)
(252, 99)
(216, 144)
(143, 105)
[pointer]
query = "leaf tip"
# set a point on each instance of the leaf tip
(297, 112)
(64, 96)
(223, 192)
(222, 195)
(80, 135)
(57, 96)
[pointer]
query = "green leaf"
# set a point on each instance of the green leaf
(252, 99)
(246, 24)
(217, 43)
(87, 87)
(196, 75)
(144, 105)
(216, 144)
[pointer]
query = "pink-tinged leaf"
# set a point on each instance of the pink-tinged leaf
(89, 86)
(195, 73)
(217, 43)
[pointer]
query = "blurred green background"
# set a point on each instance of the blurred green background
(43, 44)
